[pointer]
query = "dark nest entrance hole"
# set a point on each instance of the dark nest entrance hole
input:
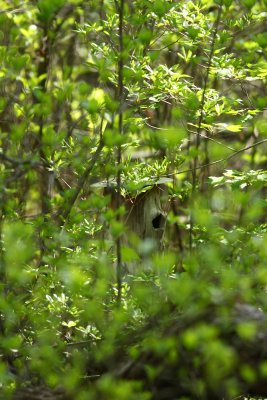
(158, 221)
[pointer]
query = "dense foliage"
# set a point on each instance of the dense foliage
(102, 102)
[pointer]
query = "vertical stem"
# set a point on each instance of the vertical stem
(2, 259)
(44, 173)
(201, 116)
(3, 288)
(119, 152)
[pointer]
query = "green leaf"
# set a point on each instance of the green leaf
(249, 3)
(69, 324)
(234, 128)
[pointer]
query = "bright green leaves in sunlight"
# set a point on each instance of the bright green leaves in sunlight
(240, 180)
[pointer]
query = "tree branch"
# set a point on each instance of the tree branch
(66, 209)
(16, 162)
(119, 151)
(217, 161)
(201, 116)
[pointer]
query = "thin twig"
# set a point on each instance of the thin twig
(70, 203)
(119, 151)
(205, 86)
(201, 116)
(16, 162)
(213, 140)
(13, 11)
(216, 161)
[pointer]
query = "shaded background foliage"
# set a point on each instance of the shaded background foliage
(132, 93)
